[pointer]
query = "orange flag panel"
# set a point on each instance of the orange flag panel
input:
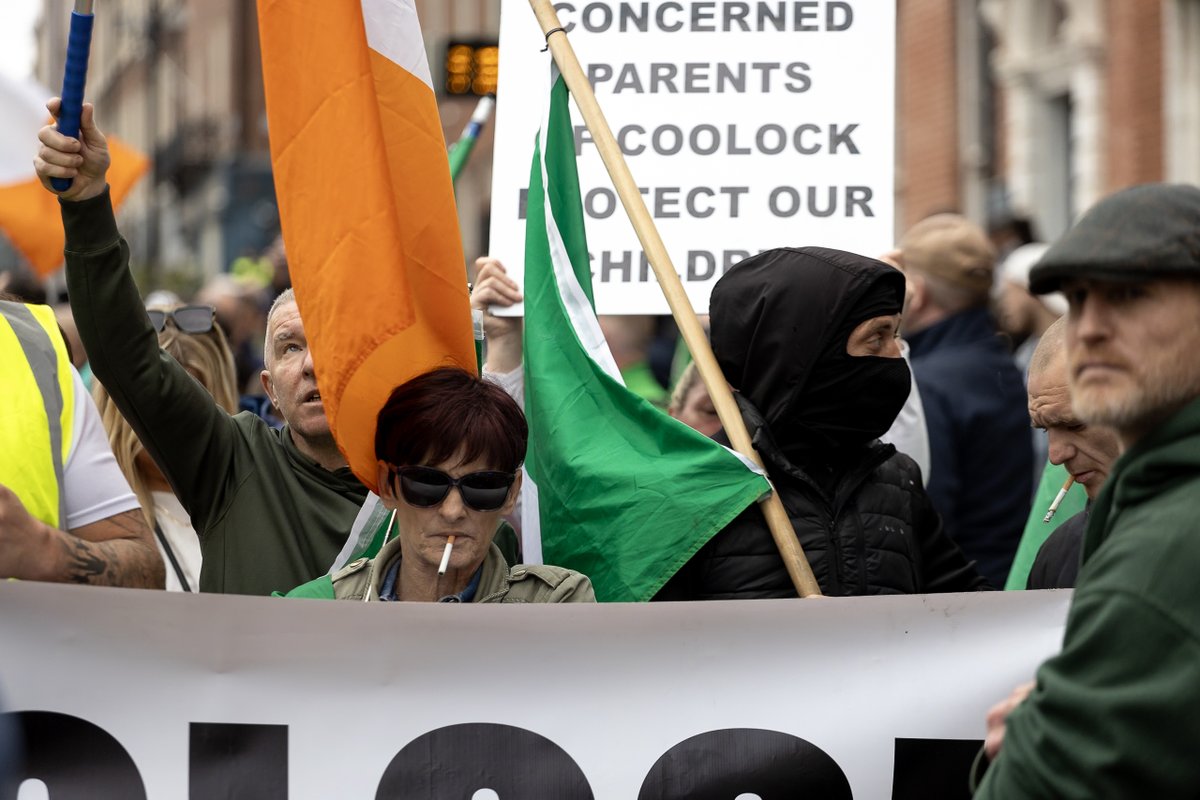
(367, 209)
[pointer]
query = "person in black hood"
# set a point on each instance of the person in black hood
(808, 339)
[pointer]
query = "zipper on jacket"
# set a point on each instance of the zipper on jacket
(835, 558)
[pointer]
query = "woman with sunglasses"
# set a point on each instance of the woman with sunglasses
(450, 447)
(190, 335)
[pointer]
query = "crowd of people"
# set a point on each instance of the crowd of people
(904, 407)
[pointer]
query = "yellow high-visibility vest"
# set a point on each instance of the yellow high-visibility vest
(38, 409)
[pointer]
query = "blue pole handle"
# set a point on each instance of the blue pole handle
(79, 44)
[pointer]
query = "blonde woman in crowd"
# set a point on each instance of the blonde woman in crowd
(190, 335)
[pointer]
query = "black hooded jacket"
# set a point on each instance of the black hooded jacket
(859, 510)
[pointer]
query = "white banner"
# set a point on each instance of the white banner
(748, 126)
(133, 694)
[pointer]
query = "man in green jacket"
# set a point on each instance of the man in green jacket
(272, 508)
(1117, 712)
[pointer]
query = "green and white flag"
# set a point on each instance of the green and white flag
(619, 491)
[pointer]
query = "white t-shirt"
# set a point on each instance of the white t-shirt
(176, 526)
(94, 485)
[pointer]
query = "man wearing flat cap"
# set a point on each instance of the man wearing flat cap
(1117, 712)
(981, 451)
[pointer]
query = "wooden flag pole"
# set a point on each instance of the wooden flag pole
(685, 317)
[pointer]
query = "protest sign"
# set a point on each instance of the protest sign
(747, 125)
(139, 694)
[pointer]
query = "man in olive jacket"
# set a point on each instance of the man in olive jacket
(272, 508)
(1117, 712)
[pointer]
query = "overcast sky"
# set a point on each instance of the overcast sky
(16, 36)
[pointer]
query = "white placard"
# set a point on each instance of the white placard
(341, 688)
(748, 125)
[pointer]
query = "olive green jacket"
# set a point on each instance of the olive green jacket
(524, 583)
(1117, 712)
(268, 516)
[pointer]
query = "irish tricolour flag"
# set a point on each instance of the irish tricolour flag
(617, 489)
(366, 204)
(29, 215)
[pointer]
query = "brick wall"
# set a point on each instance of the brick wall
(1134, 69)
(927, 113)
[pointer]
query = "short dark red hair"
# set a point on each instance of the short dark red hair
(449, 411)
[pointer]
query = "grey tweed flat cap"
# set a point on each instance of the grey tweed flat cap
(1146, 231)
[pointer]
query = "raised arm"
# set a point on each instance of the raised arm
(190, 437)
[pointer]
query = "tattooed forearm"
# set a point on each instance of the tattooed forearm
(117, 551)
(84, 562)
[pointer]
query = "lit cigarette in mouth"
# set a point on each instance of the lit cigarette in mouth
(442, 567)
(1049, 512)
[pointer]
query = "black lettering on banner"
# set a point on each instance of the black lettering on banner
(455, 762)
(74, 758)
(522, 202)
(938, 768)
(238, 760)
(721, 765)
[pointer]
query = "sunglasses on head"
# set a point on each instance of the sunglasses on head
(189, 319)
(426, 487)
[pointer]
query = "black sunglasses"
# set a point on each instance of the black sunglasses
(189, 319)
(426, 487)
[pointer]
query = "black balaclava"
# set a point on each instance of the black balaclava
(780, 325)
